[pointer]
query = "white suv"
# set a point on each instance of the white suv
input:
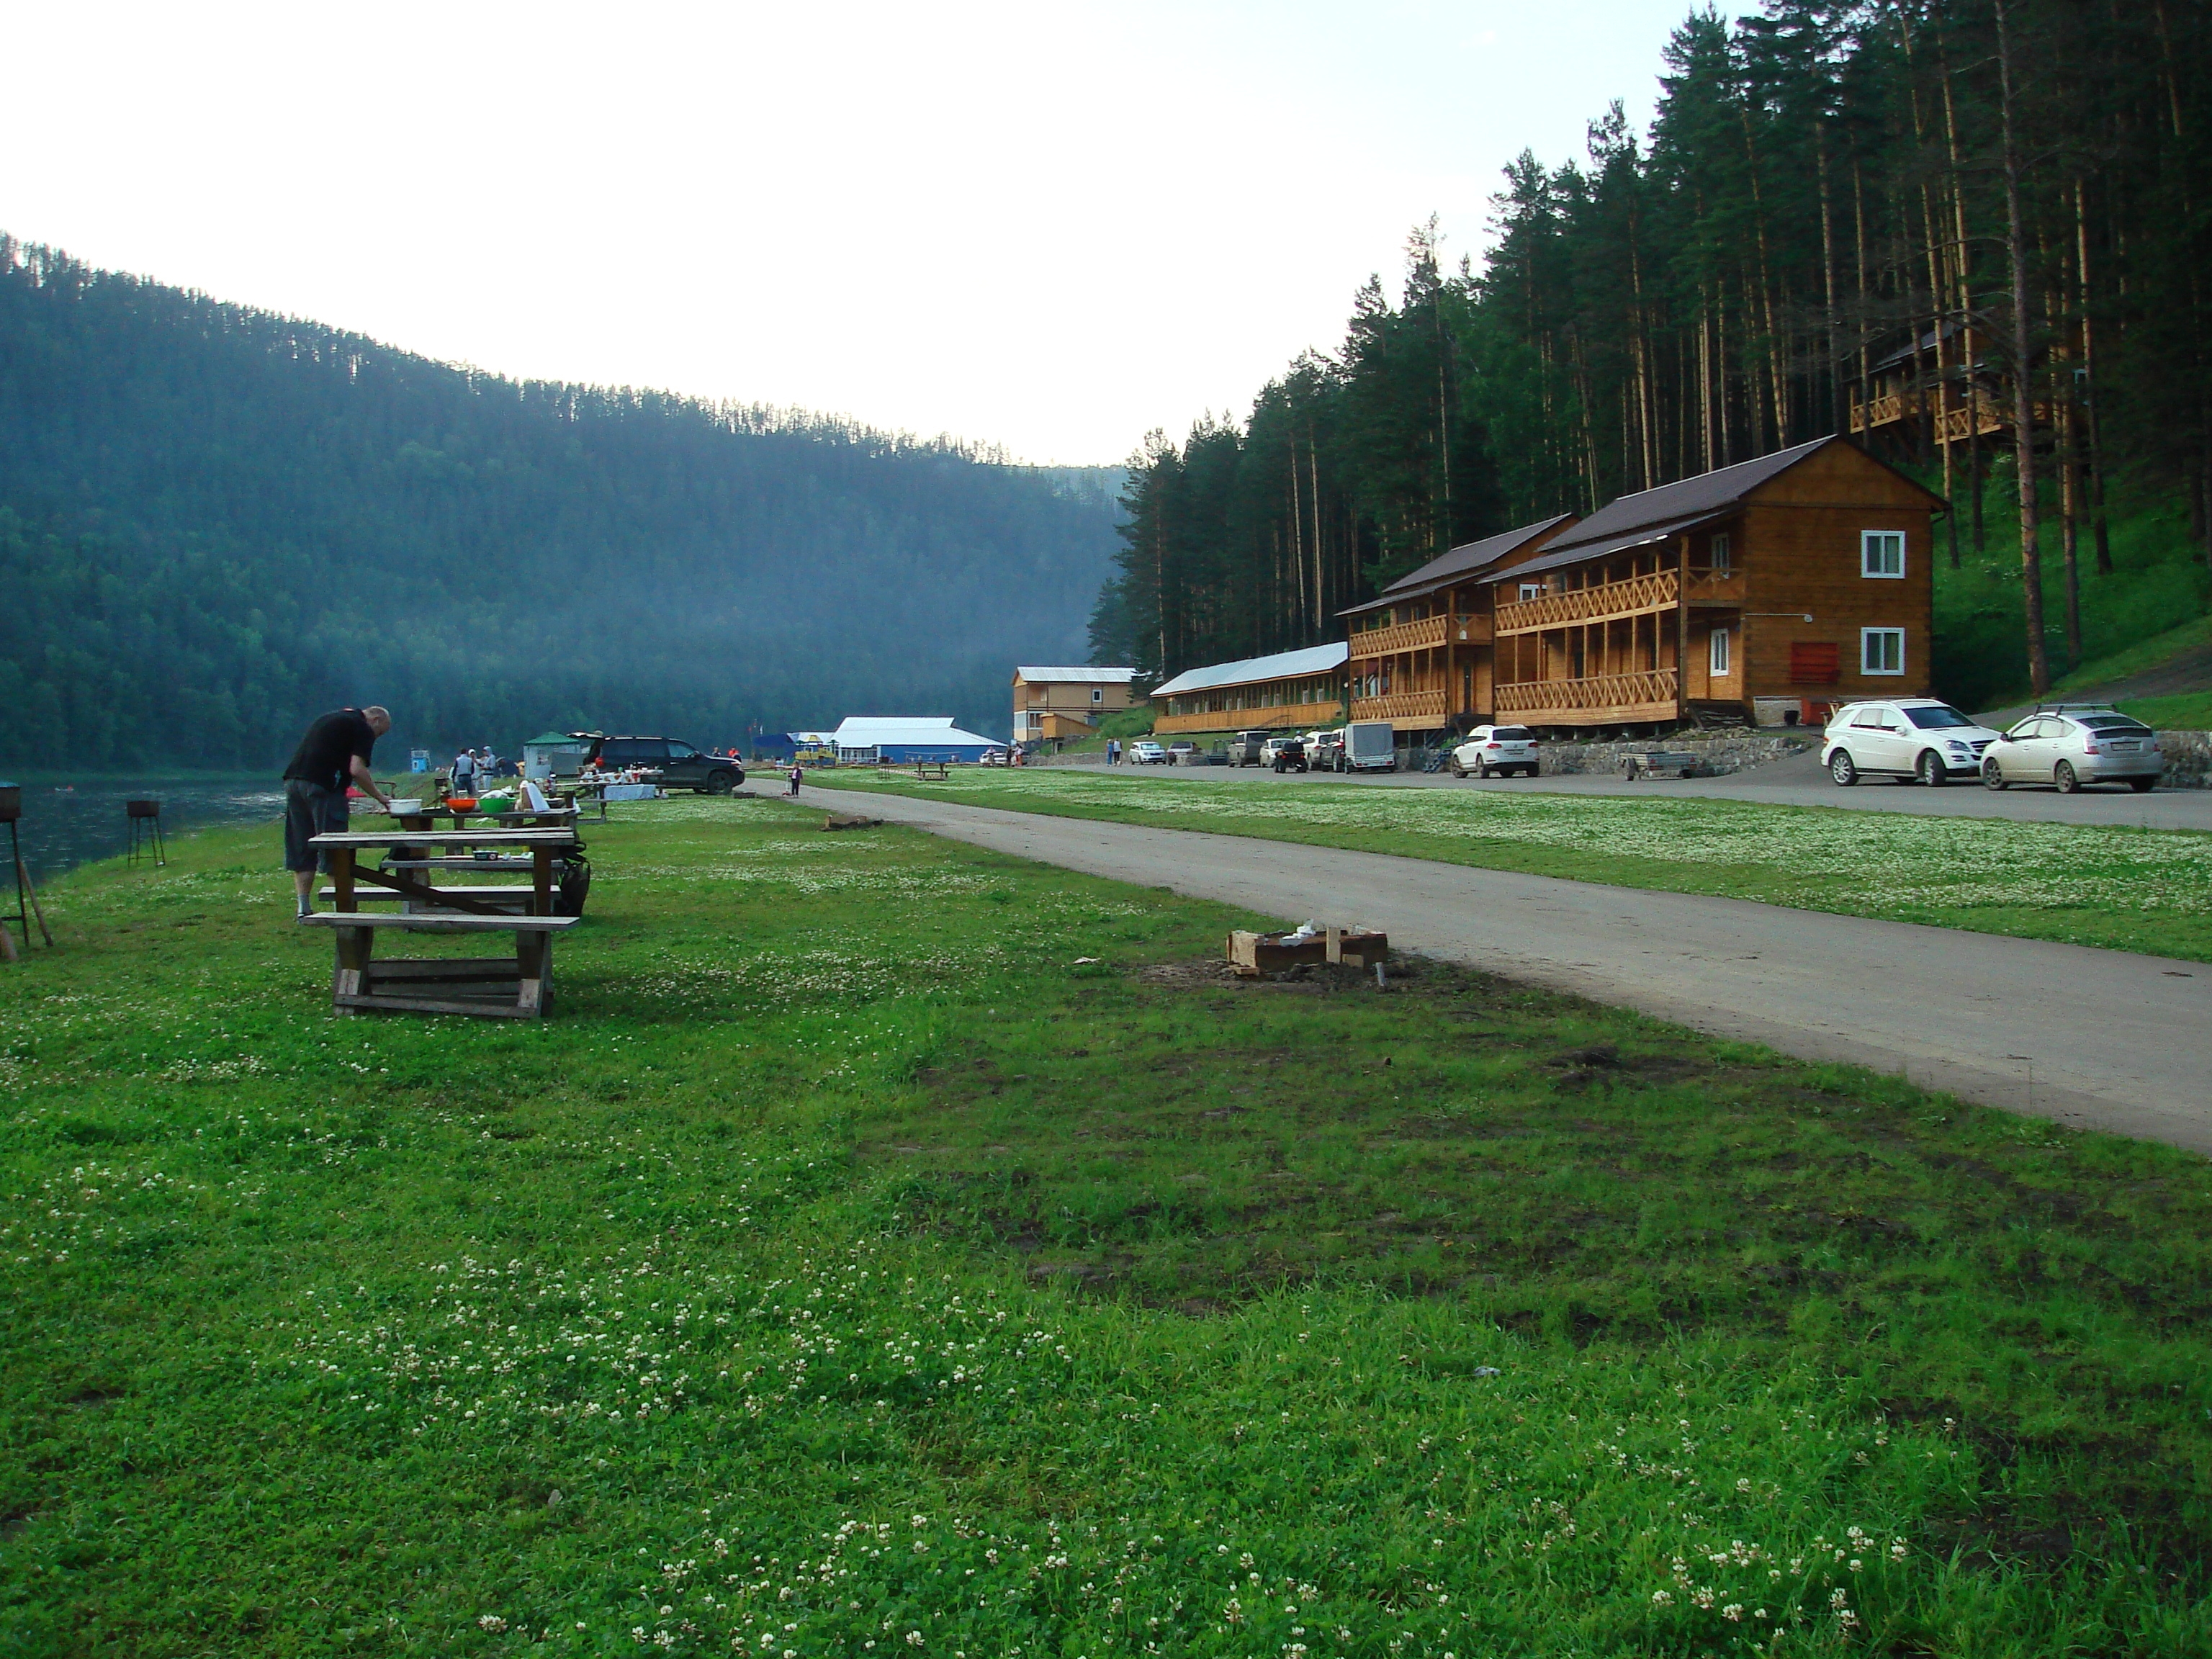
(1503, 748)
(1916, 738)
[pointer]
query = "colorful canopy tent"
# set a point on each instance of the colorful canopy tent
(894, 741)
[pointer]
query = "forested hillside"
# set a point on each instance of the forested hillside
(215, 522)
(2016, 195)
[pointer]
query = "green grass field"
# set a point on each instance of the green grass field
(2127, 889)
(891, 1248)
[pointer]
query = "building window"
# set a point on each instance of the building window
(1720, 653)
(1720, 562)
(1097, 694)
(1881, 553)
(1532, 590)
(1881, 650)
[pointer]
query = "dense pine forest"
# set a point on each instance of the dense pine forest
(2003, 205)
(215, 522)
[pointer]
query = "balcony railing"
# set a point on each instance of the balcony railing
(1654, 591)
(1957, 418)
(1641, 696)
(1401, 706)
(1716, 588)
(1423, 636)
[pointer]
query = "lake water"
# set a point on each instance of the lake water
(69, 820)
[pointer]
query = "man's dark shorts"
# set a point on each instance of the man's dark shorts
(310, 809)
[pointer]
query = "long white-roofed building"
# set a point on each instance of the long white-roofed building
(898, 740)
(1289, 691)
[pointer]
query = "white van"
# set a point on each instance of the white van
(1371, 746)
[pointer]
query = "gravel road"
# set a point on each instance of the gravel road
(2097, 1039)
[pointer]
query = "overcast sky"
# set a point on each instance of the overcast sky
(1048, 225)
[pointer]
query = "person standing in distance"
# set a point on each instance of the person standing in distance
(335, 750)
(464, 773)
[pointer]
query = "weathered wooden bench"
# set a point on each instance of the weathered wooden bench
(1682, 762)
(500, 987)
(931, 772)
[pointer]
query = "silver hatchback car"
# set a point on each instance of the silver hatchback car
(2070, 746)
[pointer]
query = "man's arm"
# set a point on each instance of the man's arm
(368, 784)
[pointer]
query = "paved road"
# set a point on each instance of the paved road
(2099, 1039)
(1796, 781)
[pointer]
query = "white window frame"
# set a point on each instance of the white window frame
(1717, 555)
(1869, 540)
(1532, 591)
(1867, 638)
(1097, 694)
(1717, 654)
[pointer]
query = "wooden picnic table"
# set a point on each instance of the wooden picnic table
(444, 986)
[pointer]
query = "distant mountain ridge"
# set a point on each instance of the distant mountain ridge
(216, 521)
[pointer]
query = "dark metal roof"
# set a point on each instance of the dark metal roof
(1642, 535)
(1686, 498)
(1457, 563)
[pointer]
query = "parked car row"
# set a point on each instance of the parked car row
(2068, 747)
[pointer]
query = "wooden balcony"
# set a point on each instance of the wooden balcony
(1721, 587)
(1408, 710)
(1639, 596)
(1425, 634)
(1955, 417)
(1606, 700)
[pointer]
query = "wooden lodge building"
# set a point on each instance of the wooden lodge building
(1764, 592)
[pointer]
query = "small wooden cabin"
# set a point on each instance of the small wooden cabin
(1066, 702)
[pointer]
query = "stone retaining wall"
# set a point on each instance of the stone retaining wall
(1720, 752)
(2188, 759)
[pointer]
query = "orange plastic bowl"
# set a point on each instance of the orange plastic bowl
(459, 805)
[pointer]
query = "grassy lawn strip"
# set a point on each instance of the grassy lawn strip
(2124, 888)
(850, 1266)
(2184, 711)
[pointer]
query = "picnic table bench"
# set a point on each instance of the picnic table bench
(426, 817)
(512, 987)
(929, 771)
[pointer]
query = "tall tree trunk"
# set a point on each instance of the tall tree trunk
(2023, 389)
(2089, 373)
(1839, 419)
(2069, 492)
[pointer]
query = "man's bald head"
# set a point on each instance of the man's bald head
(379, 718)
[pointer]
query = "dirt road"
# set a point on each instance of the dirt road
(2097, 1039)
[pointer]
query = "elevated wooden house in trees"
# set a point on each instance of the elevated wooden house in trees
(1767, 591)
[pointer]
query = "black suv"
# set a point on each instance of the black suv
(680, 765)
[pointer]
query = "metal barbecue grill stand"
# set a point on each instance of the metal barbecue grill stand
(11, 809)
(146, 831)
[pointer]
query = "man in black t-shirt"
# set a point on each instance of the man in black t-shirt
(334, 752)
